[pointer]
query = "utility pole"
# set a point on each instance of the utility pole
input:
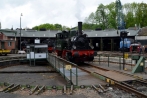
(20, 31)
(121, 25)
(0, 25)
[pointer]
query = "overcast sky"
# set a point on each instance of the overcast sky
(36, 12)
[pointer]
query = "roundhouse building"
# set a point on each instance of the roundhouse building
(102, 40)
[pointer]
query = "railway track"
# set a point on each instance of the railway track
(29, 90)
(135, 76)
(137, 85)
(121, 85)
(115, 88)
(117, 53)
(115, 82)
(10, 61)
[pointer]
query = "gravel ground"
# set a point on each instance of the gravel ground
(78, 93)
(33, 79)
(4, 95)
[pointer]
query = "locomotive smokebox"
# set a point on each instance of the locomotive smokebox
(79, 28)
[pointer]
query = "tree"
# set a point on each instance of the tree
(129, 11)
(35, 28)
(58, 26)
(48, 26)
(101, 16)
(106, 16)
(111, 15)
(141, 14)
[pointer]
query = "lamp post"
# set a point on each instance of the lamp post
(20, 31)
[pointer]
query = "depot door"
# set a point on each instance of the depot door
(2, 45)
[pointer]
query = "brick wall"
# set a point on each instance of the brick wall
(10, 47)
(6, 40)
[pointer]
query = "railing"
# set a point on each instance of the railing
(116, 60)
(67, 69)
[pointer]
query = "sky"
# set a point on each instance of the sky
(36, 12)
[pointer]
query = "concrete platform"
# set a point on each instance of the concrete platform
(113, 75)
(33, 79)
(83, 78)
(27, 67)
(47, 79)
(119, 68)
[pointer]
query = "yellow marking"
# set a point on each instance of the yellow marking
(108, 80)
(141, 64)
(126, 55)
(135, 76)
(68, 67)
(112, 82)
(140, 77)
(125, 69)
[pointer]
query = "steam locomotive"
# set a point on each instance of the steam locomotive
(74, 46)
(50, 43)
(24, 44)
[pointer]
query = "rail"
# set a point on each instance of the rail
(67, 69)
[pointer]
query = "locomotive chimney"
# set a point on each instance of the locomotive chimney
(79, 28)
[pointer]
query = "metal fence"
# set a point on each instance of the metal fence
(109, 60)
(67, 69)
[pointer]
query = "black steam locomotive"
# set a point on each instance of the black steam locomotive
(50, 43)
(24, 44)
(74, 45)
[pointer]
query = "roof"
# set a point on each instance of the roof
(143, 31)
(7, 40)
(29, 33)
(109, 33)
(44, 34)
(37, 45)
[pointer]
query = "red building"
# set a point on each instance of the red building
(7, 43)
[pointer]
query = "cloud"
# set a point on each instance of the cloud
(36, 12)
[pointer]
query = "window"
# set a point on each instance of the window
(31, 49)
(28, 51)
(9, 43)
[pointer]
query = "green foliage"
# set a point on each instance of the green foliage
(48, 26)
(105, 16)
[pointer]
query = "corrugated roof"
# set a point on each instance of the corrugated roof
(143, 31)
(90, 33)
(109, 33)
(28, 33)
